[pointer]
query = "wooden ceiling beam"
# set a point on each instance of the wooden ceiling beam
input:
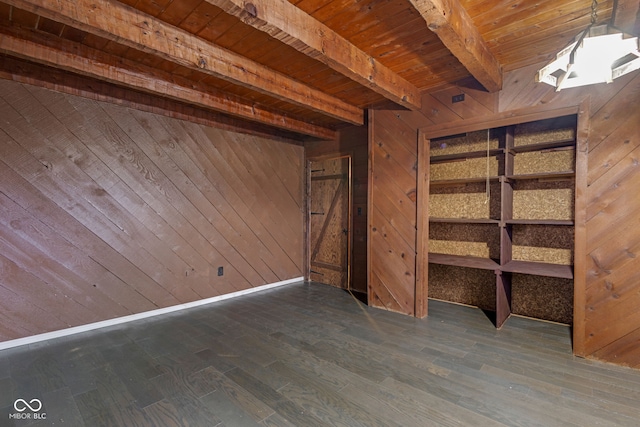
(125, 25)
(79, 59)
(294, 27)
(453, 25)
(30, 73)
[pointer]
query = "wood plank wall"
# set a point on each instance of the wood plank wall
(609, 309)
(351, 141)
(393, 156)
(108, 211)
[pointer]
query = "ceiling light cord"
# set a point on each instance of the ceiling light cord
(488, 173)
(594, 12)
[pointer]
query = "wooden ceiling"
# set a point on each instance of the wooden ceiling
(301, 68)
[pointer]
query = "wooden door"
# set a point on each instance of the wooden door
(329, 221)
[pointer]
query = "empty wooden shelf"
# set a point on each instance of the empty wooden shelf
(466, 155)
(568, 142)
(543, 175)
(565, 222)
(465, 220)
(463, 261)
(539, 269)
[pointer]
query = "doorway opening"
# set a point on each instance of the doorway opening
(329, 221)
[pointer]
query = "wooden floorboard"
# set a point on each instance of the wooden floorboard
(313, 355)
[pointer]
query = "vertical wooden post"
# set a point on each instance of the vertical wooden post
(422, 232)
(580, 238)
(370, 143)
(503, 279)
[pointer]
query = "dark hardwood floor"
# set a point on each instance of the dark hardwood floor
(311, 355)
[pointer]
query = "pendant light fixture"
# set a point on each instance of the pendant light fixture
(599, 54)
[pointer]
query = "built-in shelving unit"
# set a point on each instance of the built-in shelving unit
(538, 166)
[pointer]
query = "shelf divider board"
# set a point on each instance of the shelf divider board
(465, 155)
(543, 146)
(464, 261)
(539, 269)
(503, 280)
(503, 297)
(506, 200)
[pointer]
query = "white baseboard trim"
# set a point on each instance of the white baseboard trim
(124, 319)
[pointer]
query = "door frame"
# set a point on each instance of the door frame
(307, 217)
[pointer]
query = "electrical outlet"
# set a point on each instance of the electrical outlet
(457, 98)
(220, 271)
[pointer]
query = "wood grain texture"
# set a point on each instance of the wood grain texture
(294, 27)
(394, 152)
(311, 355)
(453, 25)
(422, 224)
(142, 32)
(394, 155)
(109, 211)
(364, 39)
(139, 77)
(38, 75)
(606, 321)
